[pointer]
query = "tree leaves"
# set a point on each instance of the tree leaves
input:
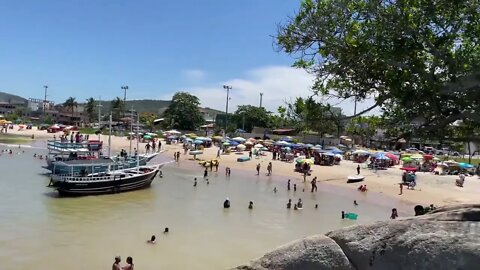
(183, 112)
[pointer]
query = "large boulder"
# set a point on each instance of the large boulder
(447, 238)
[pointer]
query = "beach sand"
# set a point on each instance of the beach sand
(430, 189)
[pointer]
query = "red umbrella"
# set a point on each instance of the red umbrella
(427, 157)
(409, 169)
(391, 156)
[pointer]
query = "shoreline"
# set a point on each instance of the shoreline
(430, 189)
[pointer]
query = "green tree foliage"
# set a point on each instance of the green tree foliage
(364, 127)
(247, 117)
(117, 107)
(70, 104)
(183, 112)
(416, 58)
(307, 114)
(147, 119)
(90, 109)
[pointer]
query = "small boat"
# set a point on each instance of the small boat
(355, 178)
(105, 182)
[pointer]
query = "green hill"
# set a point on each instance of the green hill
(6, 97)
(141, 105)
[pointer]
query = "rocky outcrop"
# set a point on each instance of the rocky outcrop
(447, 238)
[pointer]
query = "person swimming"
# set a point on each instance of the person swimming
(289, 204)
(355, 203)
(300, 203)
(250, 205)
(295, 207)
(226, 203)
(316, 206)
(195, 182)
(275, 190)
(166, 230)
(152, 240)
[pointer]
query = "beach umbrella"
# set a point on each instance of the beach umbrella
(360, 152)
(147, 137)
(208, 139)
(406, 159)
(234, 143)
(241, 147)
(217, 138)
(201, 138)
(416, 157)
(248, 143)
(286, 139)
(239, 139)
(309, 145)
(173, 131)
(264, 149)
(287, 149)
(188, 140)
(172, 137)
(258, 146)
(226, 143)
(464, 165)
(391, 156)
(409, 169)
(304, 160)
(198, 142)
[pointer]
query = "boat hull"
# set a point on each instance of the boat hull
(67, 188)
(355, 179)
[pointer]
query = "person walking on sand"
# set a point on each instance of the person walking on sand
(401, 189)
(159, 145)
(314, 184)
(358, 169)
(216, 165)
(258, 169)
(288, 184)
(218, 153)
(269, 168)
(294, 187)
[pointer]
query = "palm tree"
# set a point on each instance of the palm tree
(90, 109)
(116, 107)
(71, 104)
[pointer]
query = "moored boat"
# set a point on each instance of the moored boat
(105, 182)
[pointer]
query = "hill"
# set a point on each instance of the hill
(6, 97)
(141, 105)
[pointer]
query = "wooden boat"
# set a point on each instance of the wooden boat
(105, 182)
(355, 178)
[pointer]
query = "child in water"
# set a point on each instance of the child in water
(152, 240)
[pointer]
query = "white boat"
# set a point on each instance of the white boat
(355, 178)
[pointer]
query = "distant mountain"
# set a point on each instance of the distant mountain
(6, 97)
(141, 105)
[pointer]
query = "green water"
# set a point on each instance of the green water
(39, 230)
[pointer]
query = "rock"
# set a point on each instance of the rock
(316, 252)
(447, 238)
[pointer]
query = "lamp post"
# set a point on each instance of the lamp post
(44, 101)
(124, 88)
(261, 97)
(228, 88)
(99, 105)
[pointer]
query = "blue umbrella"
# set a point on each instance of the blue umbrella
(464, 165)
(234, 143)
(198, 142)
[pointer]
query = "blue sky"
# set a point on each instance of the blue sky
(91, 48)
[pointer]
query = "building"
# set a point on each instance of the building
(209, 114)
(35, 104)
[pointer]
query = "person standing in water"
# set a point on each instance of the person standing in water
(275, 190)
(269, 168)
(116, 263)
(394, 214)
(294, 187)
(205, 173)
(152, 240)
(289, 204)
(250, 205)
(358, 169)
(258, 169)
(288, 184)
(355, 203)
(129, 265)
(195, 182)
(226, 203)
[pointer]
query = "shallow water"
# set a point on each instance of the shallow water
(37, 228)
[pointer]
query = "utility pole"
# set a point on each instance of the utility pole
(99, 105)
(261, 97)
(125, 88)
(131, 133)
(44, 102)
(228, 88)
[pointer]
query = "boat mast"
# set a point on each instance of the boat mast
(138, 161)
(131, 132)
(110, 136)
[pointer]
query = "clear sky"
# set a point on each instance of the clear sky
(91, 48)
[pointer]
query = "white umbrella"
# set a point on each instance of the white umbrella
(241, 147)
(238, 139)
(173, 131)
(258, 146)
(248, 143)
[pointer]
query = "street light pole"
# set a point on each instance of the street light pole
(44, 101)
(261, 97)
(125, 88)
(228, 88)
(99, 105)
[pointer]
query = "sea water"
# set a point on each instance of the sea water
(39, 230)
